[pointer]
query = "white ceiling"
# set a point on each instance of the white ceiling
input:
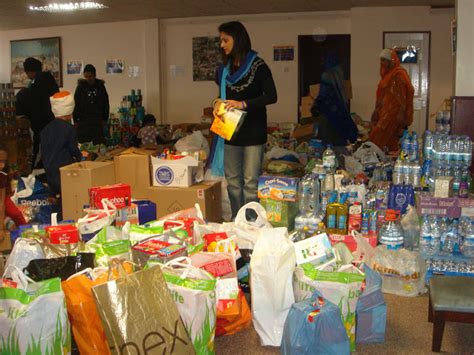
(14, 14)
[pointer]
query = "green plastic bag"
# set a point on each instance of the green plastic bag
(33, 318)
(342, 288)
(193, 291)
(108, 244)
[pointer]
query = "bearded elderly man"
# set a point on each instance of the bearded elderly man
(394, 106)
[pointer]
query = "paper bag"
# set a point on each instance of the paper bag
(139, 315)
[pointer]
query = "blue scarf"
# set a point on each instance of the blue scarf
(217, 165)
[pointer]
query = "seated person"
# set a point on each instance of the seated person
(59, 145)
(148, 133)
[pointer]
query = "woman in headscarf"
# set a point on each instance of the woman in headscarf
(394, 106)
(336, 126)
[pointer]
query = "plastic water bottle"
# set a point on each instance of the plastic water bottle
(414, 147)
(467, 248)
(405, 145)
(329, 159)
(439, 121)
(397, 176)
(391, 232)
(450, 239)
(467, 151)
(446, 122)
(308, 200)
(435, 236)
(426, 237)
(457, 178)
(428, 145)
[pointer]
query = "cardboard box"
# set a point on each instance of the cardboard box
(316, 250)
(77, 179)
(120, 195)
(314, 91)
(127, 214)
(306, 130)
(278, 188)
(305, 107)
(180, 173)
(206, 194)
(452, 207)
(280, 213)
(444, 186)
(132, 167)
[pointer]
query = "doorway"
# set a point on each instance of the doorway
(414, 50)
(312, 49)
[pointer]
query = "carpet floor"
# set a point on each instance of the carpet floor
(408, 332)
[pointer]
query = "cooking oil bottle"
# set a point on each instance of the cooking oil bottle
(342, 211)
(331, 214)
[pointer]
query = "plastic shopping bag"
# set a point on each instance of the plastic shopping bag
(96, 220)
(108, 244)
(23, 252)
(231, 321)
(403, 271)
(87, 328)
(143, 303)
(371, 311)
(271, 270)
(34, 318)
(194, 292)
(43, 269)
(342, 288)
(314, 326)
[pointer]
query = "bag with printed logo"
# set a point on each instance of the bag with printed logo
(34, 200)
(110, 243)
(342, 287)
(194, 292)
(34, 317)
(142, 302)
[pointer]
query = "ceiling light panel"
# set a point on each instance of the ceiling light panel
(68, 6)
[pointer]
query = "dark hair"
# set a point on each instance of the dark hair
(32, 64)
(149, 119)
(89, 68)
(242, 43)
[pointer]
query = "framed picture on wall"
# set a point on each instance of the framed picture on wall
(46, 50)
(114, 66)
(74, 67)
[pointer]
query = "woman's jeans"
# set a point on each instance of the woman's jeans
(242, 166)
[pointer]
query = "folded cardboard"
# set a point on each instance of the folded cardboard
(305, 107)
(314, 91)
(280, 213)
(182, 172)
(132, 166)
(172, 199)
(77, 179)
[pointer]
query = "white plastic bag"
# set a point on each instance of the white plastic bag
(192, 143)
(248, 231)
(403, 271)
(23, 252)
(411, 228)
(95, 220)
(271, 271)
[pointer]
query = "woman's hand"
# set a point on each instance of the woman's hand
(230, 104)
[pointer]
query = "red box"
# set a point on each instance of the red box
(350, 241)
(119, 194)
(63, 234)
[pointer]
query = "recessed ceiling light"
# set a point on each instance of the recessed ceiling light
(71, 6)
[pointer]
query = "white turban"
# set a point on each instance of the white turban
(386, 54)
(62, 104)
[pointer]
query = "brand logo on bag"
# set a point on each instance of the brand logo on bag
(400, 199)
(34, 203)
(117, 200)
(385, 271)
(154, 341)
(164, 175)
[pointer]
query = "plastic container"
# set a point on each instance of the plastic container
(391, 232)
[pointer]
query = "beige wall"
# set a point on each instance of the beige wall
(465, 48)
(94, 43)
(185, 99)
(180, 99)
(368, 25)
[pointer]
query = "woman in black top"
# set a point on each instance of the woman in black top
(246, 83)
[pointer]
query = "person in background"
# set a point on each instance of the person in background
(148, 133)
(394, 105)
(9, 208)
(42, 87)
(59, 145)
(246, 83)
(331, 107)
(23, 102)
(92, 107)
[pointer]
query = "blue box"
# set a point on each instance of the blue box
(146, 211)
